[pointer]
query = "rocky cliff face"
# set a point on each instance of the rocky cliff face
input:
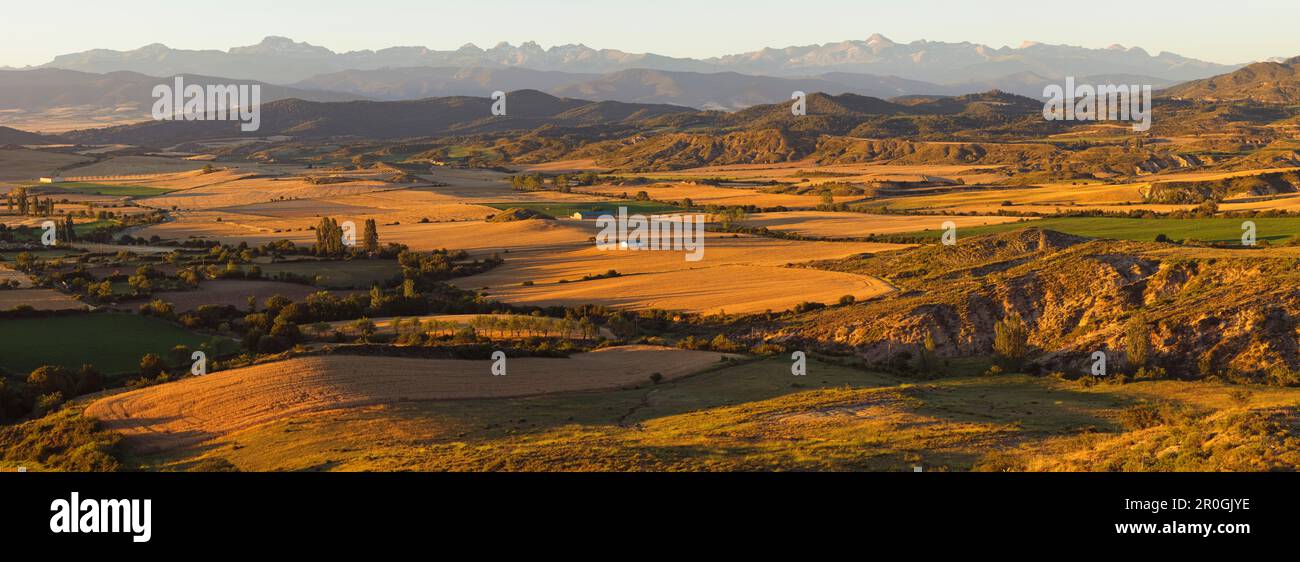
(1235, 314)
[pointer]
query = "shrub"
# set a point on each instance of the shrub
(47, 403)
(808, 307)
(1152, 415)
(151, 365)
(61, 441)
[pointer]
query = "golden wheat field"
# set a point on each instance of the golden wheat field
(1065, 196)
(8, 275)
(39, 299)
(476, 236)
(732, 289)
(701, 194)
(250, 190)
(737, 273)
(27, 165)
(71, 118)
(792, 171)
(564, 167)
(200, 409)
(548, 252)
(844, 225)
(554, 264)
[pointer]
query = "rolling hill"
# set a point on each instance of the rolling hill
(40, 89)
(9, 135)
(1267, 82)
(526, 110)
(392, 84)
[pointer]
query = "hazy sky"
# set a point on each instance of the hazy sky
(1227, 32)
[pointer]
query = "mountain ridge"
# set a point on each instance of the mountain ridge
(281, 60)
(1268, 82)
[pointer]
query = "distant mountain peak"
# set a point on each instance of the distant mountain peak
(877, 39)
(275, 44)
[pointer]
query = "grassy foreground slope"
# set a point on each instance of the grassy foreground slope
(756, 416)
(196, 410)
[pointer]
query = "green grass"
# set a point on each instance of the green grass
(354, 274)
(82, 229)
(112, 190)
(113, 343)
(1277, 229)
(566, 209)
(87, 227)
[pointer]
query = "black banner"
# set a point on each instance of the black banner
(317, 512)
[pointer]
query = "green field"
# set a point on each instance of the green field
(82, 229)
(354, 274)
(1277, 229)
(561, 210)
(113, 343)
(112, 190)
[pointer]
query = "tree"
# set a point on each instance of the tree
(181, 355)
(151, 365)
(732, 216)
(140, 284)
(1011, 341)
(20, 195)
(329, 238)
(925, 360)
(371, 237)
(190, 278)
(1137, 343)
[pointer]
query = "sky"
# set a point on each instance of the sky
(32, 33)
